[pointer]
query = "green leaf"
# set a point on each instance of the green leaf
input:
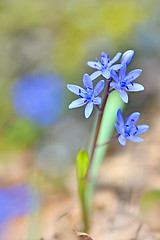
(106, 131)
(82, 167)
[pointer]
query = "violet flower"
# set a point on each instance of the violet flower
(127, 129)
(105, 66)
(88, 95)
(124, 82)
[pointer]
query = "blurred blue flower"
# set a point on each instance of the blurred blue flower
(88, 95)
(17, 200)
(127, 130)
(127, 57)
(38, 97)
(105, 66)
(124, 82)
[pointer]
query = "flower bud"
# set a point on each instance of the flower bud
(127, 56)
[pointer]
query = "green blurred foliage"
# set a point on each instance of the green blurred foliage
(150, 208)
(150, 202)
(20, 134)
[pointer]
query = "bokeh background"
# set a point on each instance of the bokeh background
(45, 44)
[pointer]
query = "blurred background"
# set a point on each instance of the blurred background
(44, 45)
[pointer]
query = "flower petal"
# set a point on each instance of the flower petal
(115, 86)
(88, 109)
(99, 87)
(142, 129)
(127, 57)
(118, 128)
(122, 71)
(135, 139)
(136, 87)
(76, 90)
(106, 74)
(122, 140)
(132, 119)
(114, 75)
(120, 118)
(95, 75)
(115, 59)
(104, 58)
(97, 100)
(124, 96)
(77, 103)
(94, 64)
(116, 67)
(133, 75)
(88, 84)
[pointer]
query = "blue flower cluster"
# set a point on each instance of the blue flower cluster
(119, 80)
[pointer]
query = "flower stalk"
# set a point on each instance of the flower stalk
(101, 110)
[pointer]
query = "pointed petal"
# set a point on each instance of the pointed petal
(94, 64)
(77, 103)
(99, 87)
(88, 84)
(142, 129)
(124, 96)
(116, 67)
(97, 100)
(88, 109)
(122, 140)
(122, 71)
(114, 75)
(76, 90)
(106, 74)
(135, 139)
(127, 57)
(115, 59)
(95, 75)
(132, 119)
(104, 58)
(114, 86)
(120, 118)
(133, 130)
(136, 87)
(133, 75)
(118, 128)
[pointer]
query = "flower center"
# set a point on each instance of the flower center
(89, 96)
(130, 131)
(127, 130)
(123, 84)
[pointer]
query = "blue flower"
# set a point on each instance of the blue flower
(105, 66)
(38, 97)
(17, 200)
(127, 57)
(88, 95)
(127, 130)
(124, 82)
